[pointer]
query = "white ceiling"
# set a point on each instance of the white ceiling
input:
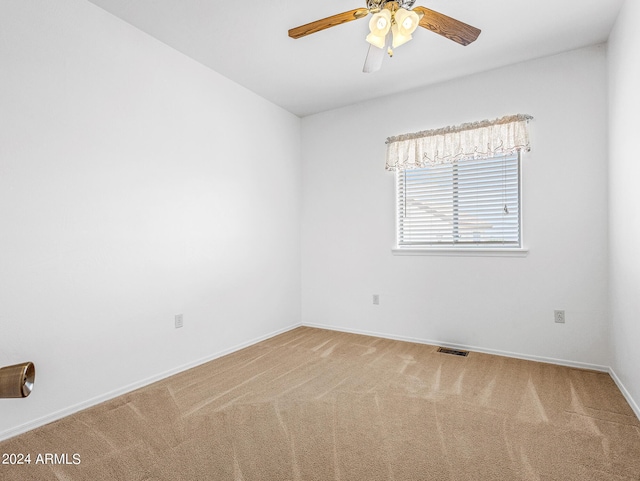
(248, 43)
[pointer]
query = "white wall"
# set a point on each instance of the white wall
(503, 304)
(135, 184)
(624, 100)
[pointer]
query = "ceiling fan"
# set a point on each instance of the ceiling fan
(391, 25)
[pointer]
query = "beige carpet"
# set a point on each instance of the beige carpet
(318, 405)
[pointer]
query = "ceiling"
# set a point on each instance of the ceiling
(248, 43)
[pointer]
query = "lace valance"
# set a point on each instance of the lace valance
(450, 144)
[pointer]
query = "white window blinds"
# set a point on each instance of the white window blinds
(468, 203)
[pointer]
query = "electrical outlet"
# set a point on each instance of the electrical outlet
(559, 316)
(178, 321)
(376, 299)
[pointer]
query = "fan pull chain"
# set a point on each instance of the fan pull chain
(504, 184)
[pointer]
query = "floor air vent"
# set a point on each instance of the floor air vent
(455, 352)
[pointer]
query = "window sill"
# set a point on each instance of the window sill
(475, 252)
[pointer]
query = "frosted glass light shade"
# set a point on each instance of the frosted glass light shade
(405, 24)
(379, 26)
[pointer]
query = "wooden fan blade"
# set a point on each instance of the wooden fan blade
(332, 21)
(447, 27)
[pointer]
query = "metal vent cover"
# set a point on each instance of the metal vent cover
(455, 352)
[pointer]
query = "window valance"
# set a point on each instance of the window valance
(487, 138)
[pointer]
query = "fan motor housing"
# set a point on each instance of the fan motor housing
(377, 5)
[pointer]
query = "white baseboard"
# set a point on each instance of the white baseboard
(625, 392)
(41, 421)
(527, 357)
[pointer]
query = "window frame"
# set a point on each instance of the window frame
(462, 249)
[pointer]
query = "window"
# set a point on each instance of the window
(472, 203)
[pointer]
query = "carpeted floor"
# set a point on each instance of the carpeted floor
(313, 404)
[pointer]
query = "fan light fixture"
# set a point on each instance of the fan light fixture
(402, 23)
(379, 25)
(405, 23)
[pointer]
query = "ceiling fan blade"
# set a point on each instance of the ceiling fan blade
(375, 56)
(374, 59)
(447, 27)
(332, 21)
